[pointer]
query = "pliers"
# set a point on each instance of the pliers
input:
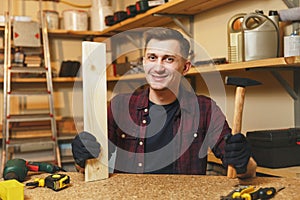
(250, 193)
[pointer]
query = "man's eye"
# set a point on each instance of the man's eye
(151, 58)
(169, 59)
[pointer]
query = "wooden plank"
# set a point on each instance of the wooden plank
(94, 106)
(269, 62)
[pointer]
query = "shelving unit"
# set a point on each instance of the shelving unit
(178, 8)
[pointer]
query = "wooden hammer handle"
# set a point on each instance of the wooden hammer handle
(237, 121)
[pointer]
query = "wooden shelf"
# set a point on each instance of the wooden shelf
(68, 34)
(270, 63)
(147, 19)
(40, 80)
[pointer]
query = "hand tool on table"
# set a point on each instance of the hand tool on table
(54, 181)
(18, 168)
(251, 193)
(240, 84)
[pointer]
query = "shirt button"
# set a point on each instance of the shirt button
(144, 121)
(141, 143)
(123, 135)
(146, 110)
(140, 164)
(195, 135)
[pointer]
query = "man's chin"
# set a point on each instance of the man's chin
(158, 87)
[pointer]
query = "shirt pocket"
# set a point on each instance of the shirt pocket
(126, 141)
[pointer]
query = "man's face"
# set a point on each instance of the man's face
(163, 64)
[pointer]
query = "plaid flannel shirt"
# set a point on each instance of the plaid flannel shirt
(198, 125)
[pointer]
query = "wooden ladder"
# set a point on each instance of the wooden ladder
(11, 89)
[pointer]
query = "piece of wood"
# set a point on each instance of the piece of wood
(95, 106)
(237, 120)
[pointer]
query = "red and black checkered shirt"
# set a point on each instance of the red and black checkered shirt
(199, 124)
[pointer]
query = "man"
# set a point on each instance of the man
(166, 128)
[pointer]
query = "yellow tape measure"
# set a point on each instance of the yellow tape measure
(57, 181)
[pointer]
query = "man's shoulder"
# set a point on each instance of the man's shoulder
(204, 98)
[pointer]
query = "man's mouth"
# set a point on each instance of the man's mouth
(158, 77)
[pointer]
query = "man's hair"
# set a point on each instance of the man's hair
(167, 34)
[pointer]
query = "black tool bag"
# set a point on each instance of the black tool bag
(276, 148)
(69, 68)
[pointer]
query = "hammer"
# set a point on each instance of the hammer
(240, 84)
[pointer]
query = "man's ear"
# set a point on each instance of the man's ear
(143, 60)
(187, 67)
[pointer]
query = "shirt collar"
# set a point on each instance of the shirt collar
(186, 100)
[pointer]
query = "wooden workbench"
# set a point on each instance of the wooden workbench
(130, 186)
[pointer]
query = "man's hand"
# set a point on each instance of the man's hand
(237, 152)
(84, 146)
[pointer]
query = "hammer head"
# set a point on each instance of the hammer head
(241, 82)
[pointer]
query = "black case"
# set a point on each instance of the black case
(69, 68)
(275, 148)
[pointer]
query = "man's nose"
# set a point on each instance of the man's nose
(159, 64)
(159, 67)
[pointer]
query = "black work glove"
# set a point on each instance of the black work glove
(237, 152)
(85, 146)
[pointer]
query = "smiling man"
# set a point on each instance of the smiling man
(165, 127)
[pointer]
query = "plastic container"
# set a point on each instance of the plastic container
(52, 18)
(261, 37)
(292, 45)
(76, 20)
(11, 190)
(235, 39)
(99, 10)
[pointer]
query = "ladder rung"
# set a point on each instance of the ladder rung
(28, 92)
(67, 159)
(28, 145)
(29, 117)
(28, 69)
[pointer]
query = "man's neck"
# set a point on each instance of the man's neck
(162, 97)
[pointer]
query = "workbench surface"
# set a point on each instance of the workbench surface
(131, 186)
